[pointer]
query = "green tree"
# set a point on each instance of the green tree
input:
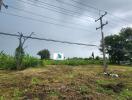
(93, 55)
(114, 48)
(44, 54)
(119, 47)
(126, 34)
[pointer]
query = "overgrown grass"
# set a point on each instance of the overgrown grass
(72, 62)
(61, 82)
(9, 62)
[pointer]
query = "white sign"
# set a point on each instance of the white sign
(58, 56)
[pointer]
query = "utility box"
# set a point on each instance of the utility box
(58, 56)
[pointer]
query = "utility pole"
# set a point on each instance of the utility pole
(19, 53)
(2, 4)
(103, 42)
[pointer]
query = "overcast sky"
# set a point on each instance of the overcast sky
(77, 22)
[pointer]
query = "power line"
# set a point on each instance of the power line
(51, 5)
(78, 7)
(55, 10)
(86, 5)
(29, 12)
(95, 8)
(42, 21)
(49, 40)
(67, 10)
(69, 4)
(65, 13)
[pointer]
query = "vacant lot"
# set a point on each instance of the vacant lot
(66, 83)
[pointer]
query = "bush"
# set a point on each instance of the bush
(30, 61)
(9, 62)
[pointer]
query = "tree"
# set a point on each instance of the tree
(114, 47)
(118, 47)
(93, 55)
(2, 4)
(97, 58)
(44, 54)
(126, 34)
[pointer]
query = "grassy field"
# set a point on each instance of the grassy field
(59, 82)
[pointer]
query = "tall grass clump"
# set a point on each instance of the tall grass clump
(9, 62)
(30, 61)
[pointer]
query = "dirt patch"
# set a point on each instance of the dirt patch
(117, 88)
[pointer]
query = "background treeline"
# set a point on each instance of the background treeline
(118, 47)
(9, 62)
(74, 61)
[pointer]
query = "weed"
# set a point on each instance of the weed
(54, 93)
(83, 89)
(102, 81)
(35, 81)
(105, 91)
(2, 98)
(17, 94)
(125, 95)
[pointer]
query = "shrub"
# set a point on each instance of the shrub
(30, 61)
(44, 54)
(7, 62)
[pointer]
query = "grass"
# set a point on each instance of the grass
(72, 62)
(59, 82)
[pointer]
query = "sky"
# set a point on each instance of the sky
(69, 20)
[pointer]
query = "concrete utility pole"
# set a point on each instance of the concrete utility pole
(19, 53)
(2, 4)
(103, 42)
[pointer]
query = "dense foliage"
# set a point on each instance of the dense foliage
(73, 62)
(119, 47)
(44, 54)
(9, 62)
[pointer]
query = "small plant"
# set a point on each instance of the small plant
(2, 98)
(83, 89)
(7, 62)
(54, 93)
(17, 94)
(102, 82)
(125, 95)
(35, 81)
(102, 90)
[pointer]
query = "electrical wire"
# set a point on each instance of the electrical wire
(49, 40)
(42, 21)
(51, 5)
(55, 10)
(43, 16)
(95, 8)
